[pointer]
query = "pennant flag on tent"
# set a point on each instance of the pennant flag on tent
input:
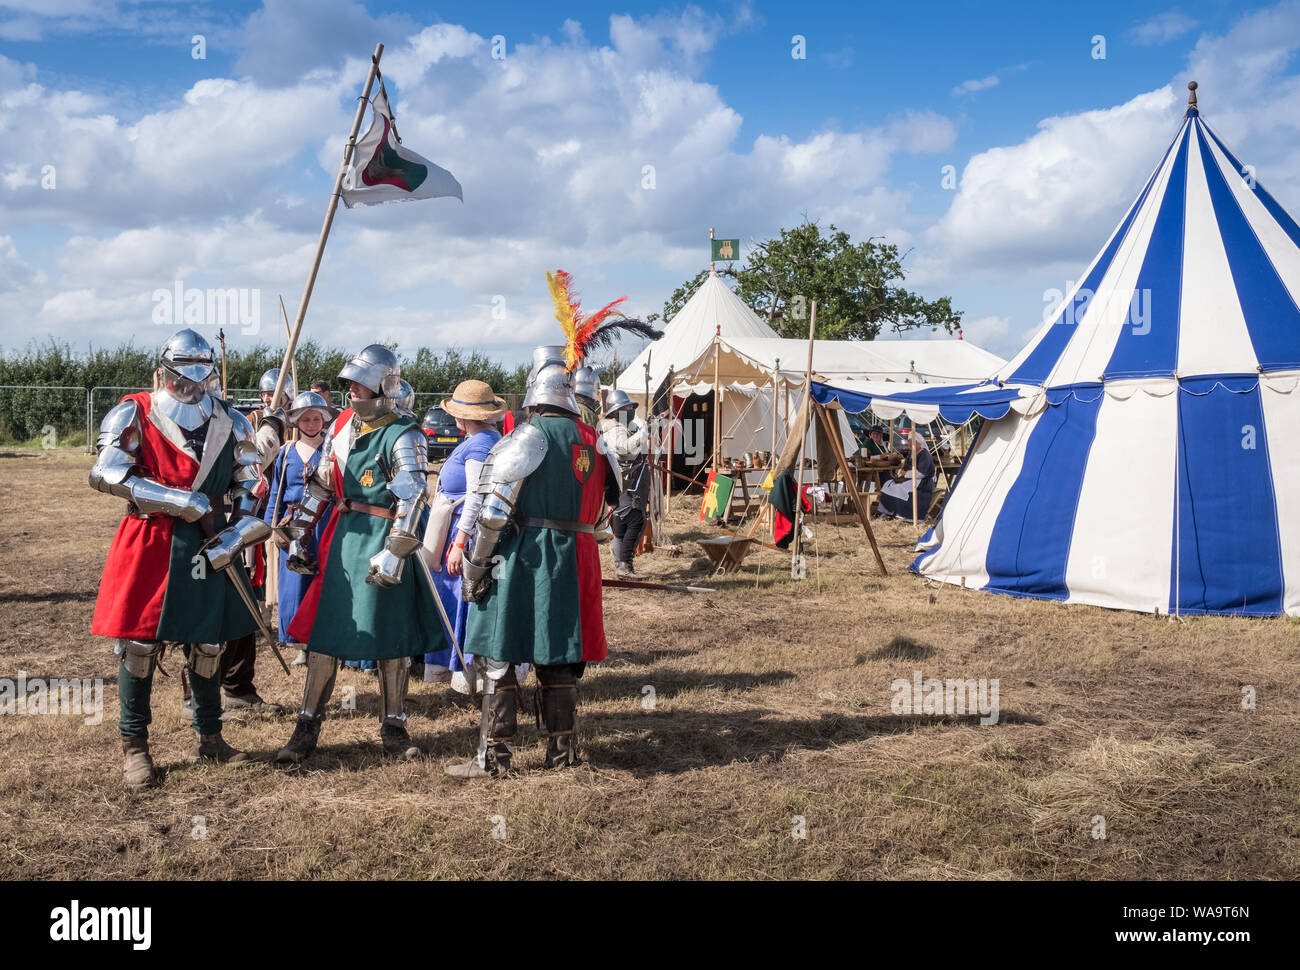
(383, 170)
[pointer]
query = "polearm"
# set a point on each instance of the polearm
(288, 332)
(329, 221)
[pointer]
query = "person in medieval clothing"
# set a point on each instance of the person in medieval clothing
(453, 514)
(368, 603)
(533, 568)
(180, 457)
(917, 472)
(239, 659)
(295, 465)
(627, 439)
(586, 391)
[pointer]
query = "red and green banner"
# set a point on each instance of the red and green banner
(717, 497)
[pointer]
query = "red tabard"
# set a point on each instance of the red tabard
(130, 601)
(594, 647)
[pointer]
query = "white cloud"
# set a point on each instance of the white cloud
(552, 145)
(1040, 199)
(1161, 28)
(976, 84)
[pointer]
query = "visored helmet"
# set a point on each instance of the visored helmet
(189, 365)
(376, 368)
(549, 382)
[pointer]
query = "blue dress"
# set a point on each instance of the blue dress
(296, 472)
(452, 483)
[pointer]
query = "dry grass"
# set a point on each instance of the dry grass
(772, 701)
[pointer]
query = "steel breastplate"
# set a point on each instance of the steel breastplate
(188, 417)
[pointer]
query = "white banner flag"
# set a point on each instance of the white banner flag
(383, 170)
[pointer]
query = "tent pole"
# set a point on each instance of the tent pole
(362, 103)
(717, 401)
(838, 448)
(805, 423)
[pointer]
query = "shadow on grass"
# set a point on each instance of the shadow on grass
(670, 743)
(54, 596)
(610, 686)
(899, 648)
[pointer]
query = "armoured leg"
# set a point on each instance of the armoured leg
(322, 670)
(558, 702)
(203, 662)
(498, 724)
(135, 684)
(394, 680)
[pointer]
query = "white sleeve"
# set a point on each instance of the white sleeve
(473, 500)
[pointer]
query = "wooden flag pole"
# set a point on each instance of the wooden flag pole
(805, 413)
(329, 222)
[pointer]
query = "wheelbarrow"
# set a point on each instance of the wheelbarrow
(727, 552)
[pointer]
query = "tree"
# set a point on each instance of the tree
(857, 287)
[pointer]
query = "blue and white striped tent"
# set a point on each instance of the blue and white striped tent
(1143, 450)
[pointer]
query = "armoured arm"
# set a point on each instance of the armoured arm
(268, 438)
(246, 528)
(116, 473)
(473, 497)
(509, 463)
(408, 484)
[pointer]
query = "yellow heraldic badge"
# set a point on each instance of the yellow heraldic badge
(583, 458)
(367, 478)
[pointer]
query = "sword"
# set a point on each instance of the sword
(246, 595)
(470, 674)
(628, 584)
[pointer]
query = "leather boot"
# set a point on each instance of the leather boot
(303, 742)
(213, 747)
(497, 727)
(137, 767)
(559, 703)
(321, 672)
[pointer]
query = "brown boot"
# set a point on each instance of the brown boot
(398, 743)
(213, 747)
(137, 766)
(558, 702)
(303, 742)
(497, 727)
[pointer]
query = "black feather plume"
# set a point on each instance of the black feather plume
(603, 339)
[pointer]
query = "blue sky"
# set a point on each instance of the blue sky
(216, 170)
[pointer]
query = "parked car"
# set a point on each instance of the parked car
(440, 432)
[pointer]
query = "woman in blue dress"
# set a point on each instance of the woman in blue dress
(295, 463)
(476, 409)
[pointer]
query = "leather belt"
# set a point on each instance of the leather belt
(561, 525)
(351, 505)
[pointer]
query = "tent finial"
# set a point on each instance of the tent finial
(1191, 96)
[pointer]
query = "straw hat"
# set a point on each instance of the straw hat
(474, 401)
